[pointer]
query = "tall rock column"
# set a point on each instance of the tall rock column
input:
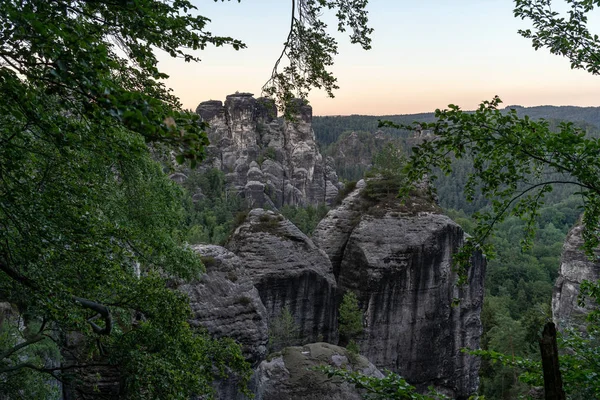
(397, 258)
(270, 161)
(305, 161)
(575, 267)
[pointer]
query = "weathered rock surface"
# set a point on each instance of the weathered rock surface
(288, 376)
(335, 229)
(289, 271)
(575, 267)
(352, 152)
(225, 302)
(269, 161)
(398, 259)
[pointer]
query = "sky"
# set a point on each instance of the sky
(426, 54)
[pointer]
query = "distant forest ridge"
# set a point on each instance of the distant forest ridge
(329, 128)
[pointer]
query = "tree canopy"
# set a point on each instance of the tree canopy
(89, 222)
(309, 48)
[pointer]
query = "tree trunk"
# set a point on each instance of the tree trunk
(552, 380)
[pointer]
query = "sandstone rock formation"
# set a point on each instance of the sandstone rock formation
(269, 161)
(398, 260)
(226, 303)
(288, 375)
(290, 272)
(575, 267)
(352, 153)
(395, 256)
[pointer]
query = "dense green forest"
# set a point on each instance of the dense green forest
(329, 128)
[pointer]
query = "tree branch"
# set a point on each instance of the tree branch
(18, 347)
(101, 311)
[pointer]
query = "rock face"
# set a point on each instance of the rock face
(352, 153)
(575, 267)
(397, 260)
(287, 376)
(269, 161)
(290, 272)
(227, 304)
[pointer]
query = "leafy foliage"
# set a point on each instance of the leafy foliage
(567, 36)
(350, 318)
(283, 330)
(309, 49)
(26, 381)
(390, 387)
(388, 172)
(578, 359)
(87, 218)
(210, 219)
(305, 218)
(353, 152)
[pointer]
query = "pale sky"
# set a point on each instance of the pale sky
(426, 54)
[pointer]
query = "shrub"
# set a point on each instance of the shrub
(283, 331)
(350, 320)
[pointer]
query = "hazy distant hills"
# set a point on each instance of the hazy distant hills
(329, 128)
(590, 115)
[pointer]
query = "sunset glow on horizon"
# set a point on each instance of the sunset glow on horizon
(425, 56)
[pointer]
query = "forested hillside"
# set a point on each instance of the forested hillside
(329, 128)
(519, 282)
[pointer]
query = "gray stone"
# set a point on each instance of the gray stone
(333, 231)
(288, 375)
(397, 258)
(226, 303)
(210, 109)
(401, 271)
(178, 177)
(245, 130)
(289, 271)
(575, 267)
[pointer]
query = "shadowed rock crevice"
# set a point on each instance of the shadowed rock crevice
(290, 272)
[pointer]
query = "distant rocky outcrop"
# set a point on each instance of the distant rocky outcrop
(288, 374)
(352, 153)
(270, 161)
(575, 267)
(397, 258)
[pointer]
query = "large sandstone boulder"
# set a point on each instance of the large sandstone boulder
(225, 302)
(397, 258)
(270, 161)
(575, 267)
(289, 375)
(289, 272)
